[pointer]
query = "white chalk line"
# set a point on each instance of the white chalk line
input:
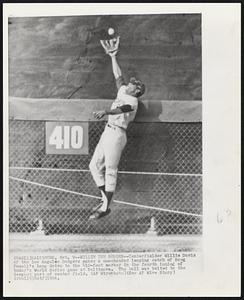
(91, 196)
(53, 187)
(121, 172)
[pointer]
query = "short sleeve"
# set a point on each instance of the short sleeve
(133, 102)
(119, 82)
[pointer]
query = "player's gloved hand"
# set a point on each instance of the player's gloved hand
(111, 47)
(99, 114)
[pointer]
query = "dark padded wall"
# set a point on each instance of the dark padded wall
(50, 57)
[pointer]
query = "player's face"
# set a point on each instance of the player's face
(131, 89)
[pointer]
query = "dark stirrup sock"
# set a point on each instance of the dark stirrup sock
(102, 187)
(109, 196)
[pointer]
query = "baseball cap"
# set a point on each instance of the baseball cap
(139, 85)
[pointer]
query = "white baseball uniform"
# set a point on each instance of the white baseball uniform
(113, 140)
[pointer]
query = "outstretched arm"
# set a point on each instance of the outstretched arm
(111, 48)
(116, 69)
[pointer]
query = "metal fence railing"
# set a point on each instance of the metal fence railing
(159, 185)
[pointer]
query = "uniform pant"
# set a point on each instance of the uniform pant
(106, 157)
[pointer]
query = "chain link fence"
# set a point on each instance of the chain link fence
(159, 185)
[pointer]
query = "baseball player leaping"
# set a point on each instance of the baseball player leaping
(107, 154)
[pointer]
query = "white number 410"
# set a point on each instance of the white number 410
(66, 137)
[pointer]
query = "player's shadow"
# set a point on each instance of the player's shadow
(150, 147)
(153, 142)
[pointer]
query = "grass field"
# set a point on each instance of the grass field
(38, 242)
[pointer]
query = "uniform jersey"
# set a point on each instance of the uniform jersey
(123, 119)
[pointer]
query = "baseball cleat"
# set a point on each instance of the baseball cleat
(97, 207)
(99, 214)
(103, 203)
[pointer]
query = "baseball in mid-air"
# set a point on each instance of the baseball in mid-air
(110, 31)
